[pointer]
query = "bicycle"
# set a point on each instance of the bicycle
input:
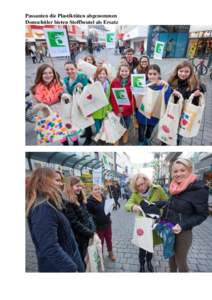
(201, 68)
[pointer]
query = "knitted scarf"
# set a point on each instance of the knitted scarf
(177, 188)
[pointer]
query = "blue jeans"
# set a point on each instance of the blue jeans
(125, 121)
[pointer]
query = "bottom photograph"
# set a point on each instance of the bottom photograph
(118, 211)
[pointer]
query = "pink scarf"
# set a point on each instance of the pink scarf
(176, 188)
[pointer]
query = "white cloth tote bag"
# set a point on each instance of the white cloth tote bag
(143, 233)
(191, 117)
(169, 124)
(92, 98)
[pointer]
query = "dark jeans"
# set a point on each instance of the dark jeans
(117, 203)
(144, 132)
(143, 254)
(106, 234)
(125, 121)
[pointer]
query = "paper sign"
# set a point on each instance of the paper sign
(57, 42)
(121, 96)
(86, 68)
(97, 176)
(159, 48)
(110, 40)
(138, 82)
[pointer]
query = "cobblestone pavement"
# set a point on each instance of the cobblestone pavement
(167, 66)
(199, 258)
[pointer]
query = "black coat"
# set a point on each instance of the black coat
(82, 224)
(96, 208)
(54, 240)
(190, 207)
(114, 191)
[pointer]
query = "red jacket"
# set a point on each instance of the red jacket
(127, 109)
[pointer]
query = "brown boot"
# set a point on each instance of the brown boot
(135, 124)
(111, 256)
(125, 137)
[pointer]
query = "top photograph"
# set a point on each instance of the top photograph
(118, 85)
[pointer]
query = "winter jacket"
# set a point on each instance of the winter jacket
(156, 193)
(127, 109)
(190, 207)
(96, 209)
(82, 224)
(101, 113)
(54, 240)
(153, 121)
(69, 86)
(48, 94)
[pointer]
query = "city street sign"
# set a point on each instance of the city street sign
(138, 83)
(159, 48)
(110, 40)
(121, 96)
(57, 42)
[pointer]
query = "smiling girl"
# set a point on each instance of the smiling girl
(47, 87)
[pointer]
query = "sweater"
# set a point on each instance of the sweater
(48, 94)
(70, 85)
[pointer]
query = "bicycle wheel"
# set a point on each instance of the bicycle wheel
(201, 69)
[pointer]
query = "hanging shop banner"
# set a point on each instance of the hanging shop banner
(158, 51)
(57, 42)
(121, 96)
(97, 176)
(110, 40)
(138, 83)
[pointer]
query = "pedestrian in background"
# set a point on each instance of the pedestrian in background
(96, 207)
(52, 235)
(115, 192)
(187, 207)
(145, 191)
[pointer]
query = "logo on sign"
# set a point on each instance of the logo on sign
(56, 39)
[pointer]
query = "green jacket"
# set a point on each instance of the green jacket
(102, 112)
(156, 193)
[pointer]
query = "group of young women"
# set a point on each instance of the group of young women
(62, 220)
(48, 89)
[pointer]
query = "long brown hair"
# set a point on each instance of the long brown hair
(119, 69)
(98, 71)
(69, 192)
(193, 82)
(41, 181)
(93, 59)
(39, 76)
(141, 70)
